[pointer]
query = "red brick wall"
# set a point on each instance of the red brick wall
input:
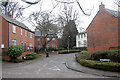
(55, 42)
(102, 33)
(0, 34)
(4, 34)
(19, 38)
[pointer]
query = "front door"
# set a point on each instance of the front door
(25, 47)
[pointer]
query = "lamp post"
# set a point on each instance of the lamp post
(68, 43)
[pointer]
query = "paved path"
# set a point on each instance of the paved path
(71, 63)
(51, 67)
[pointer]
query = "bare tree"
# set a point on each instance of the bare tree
(117, 2)
(45, 24)
(12, 7)
(68, 16)
(62, 2)
(71, 2)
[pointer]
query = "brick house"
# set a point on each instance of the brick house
(52, 44)
(13, 32)
(103, 31)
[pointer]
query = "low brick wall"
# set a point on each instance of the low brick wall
(8, 58)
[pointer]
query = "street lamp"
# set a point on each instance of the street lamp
(68, 43)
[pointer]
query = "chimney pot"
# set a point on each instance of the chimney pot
(102, 6)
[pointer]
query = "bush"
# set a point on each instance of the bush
(15, 51)
(109, 66)
(112, 55)
(70, 51)
(31, 56)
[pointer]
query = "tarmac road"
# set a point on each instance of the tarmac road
(51, 67)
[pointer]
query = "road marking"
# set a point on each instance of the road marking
(54, 68)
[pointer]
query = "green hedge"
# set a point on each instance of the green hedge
(15, 51)
(108, 66)
(81, 48)
(66, 51)
(104, 54)
(31, 56)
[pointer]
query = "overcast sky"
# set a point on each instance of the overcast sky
(87, 5)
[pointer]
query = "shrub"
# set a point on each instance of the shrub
(113, 56)
(31, 56)
(83, 55)
(15, 51)
(109, 66)
(70, 51)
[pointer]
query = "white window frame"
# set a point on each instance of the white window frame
(30, 45)
(79, 43)
(30, 35)
(48, 39)
(14, 42)
(85, 42)
(53, 39)
(25, 33)
(21, 32)
(14, 29)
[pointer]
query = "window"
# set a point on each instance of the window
(25, 33)
(22, 43)
(38, 40)
(53, 39)
(48, 46)
(85, 35)
(21, 32)
(30, 35)
(30, 45)
(48, 39)
(53, 46)
(85, 43)
(13, 42)
(78, 43)
(14, 29)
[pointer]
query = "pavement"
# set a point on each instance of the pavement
(72, 64)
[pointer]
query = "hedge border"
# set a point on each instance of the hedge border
(107, 66)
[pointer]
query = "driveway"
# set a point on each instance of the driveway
(51, 67)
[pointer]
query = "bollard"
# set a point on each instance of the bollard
(47, 54)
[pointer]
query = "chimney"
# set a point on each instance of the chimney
(102, 6)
